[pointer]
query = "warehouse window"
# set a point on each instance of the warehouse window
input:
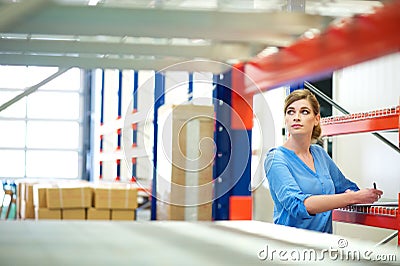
(40, 134)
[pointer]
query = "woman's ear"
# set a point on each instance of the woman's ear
(317, 119)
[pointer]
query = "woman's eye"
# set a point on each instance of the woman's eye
(290, 112)
(305, 112)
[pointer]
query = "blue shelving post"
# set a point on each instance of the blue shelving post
(134, 126)
(159, 98)
(232, 171)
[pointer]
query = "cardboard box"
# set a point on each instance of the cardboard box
(98, 214)
(47, 214)
(122, 215)
(18, 199)
(29, 193)
(27, 210)
(115, 197)
(40, 194)
(69, 197)
(26, 197)
(184, 167)
(73, 214)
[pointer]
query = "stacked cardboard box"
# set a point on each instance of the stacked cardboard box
(117, 201)
(40, 202)
(76, 200)
(25, 204)
(184, 163)
(64, 200)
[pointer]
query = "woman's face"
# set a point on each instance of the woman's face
(300, 118)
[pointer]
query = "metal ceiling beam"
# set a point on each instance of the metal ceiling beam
(250, 26)
(115, 63)
(217, 51)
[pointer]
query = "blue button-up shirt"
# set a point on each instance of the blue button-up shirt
(291, 181)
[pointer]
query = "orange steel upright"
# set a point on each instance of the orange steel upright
(240, 201)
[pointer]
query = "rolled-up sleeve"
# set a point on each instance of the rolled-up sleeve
(284, 189)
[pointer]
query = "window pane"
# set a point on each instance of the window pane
(60, 133)
(34, 74)
(12, 163)
(13, 77)
(53, 105)
(22, 77)
(17, 109)
(12, 134)
(52, 164)
(45, 134)
(70, 80)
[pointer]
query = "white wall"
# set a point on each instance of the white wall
(363, 158)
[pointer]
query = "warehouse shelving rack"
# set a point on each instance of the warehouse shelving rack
(356, 40)
(343, 44)
(377, 120)
(352, 41)
(349, 42)
(376, 216)
(117, 128)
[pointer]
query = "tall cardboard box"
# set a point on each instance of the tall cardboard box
(27, 204)
(185, 155)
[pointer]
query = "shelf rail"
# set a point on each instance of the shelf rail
(384, 119)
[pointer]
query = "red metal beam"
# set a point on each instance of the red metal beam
(358, 39)
(351, 124)
(381, 221)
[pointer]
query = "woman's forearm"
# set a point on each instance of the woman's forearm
(322, 203)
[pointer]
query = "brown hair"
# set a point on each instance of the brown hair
(307, 95)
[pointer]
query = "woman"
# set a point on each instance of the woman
(305, 183)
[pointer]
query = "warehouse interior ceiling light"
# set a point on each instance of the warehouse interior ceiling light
(67, 33)
(93, 2)
(337, 8)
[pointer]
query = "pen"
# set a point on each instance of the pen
(374, 185)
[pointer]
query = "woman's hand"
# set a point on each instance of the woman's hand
(365, 196)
